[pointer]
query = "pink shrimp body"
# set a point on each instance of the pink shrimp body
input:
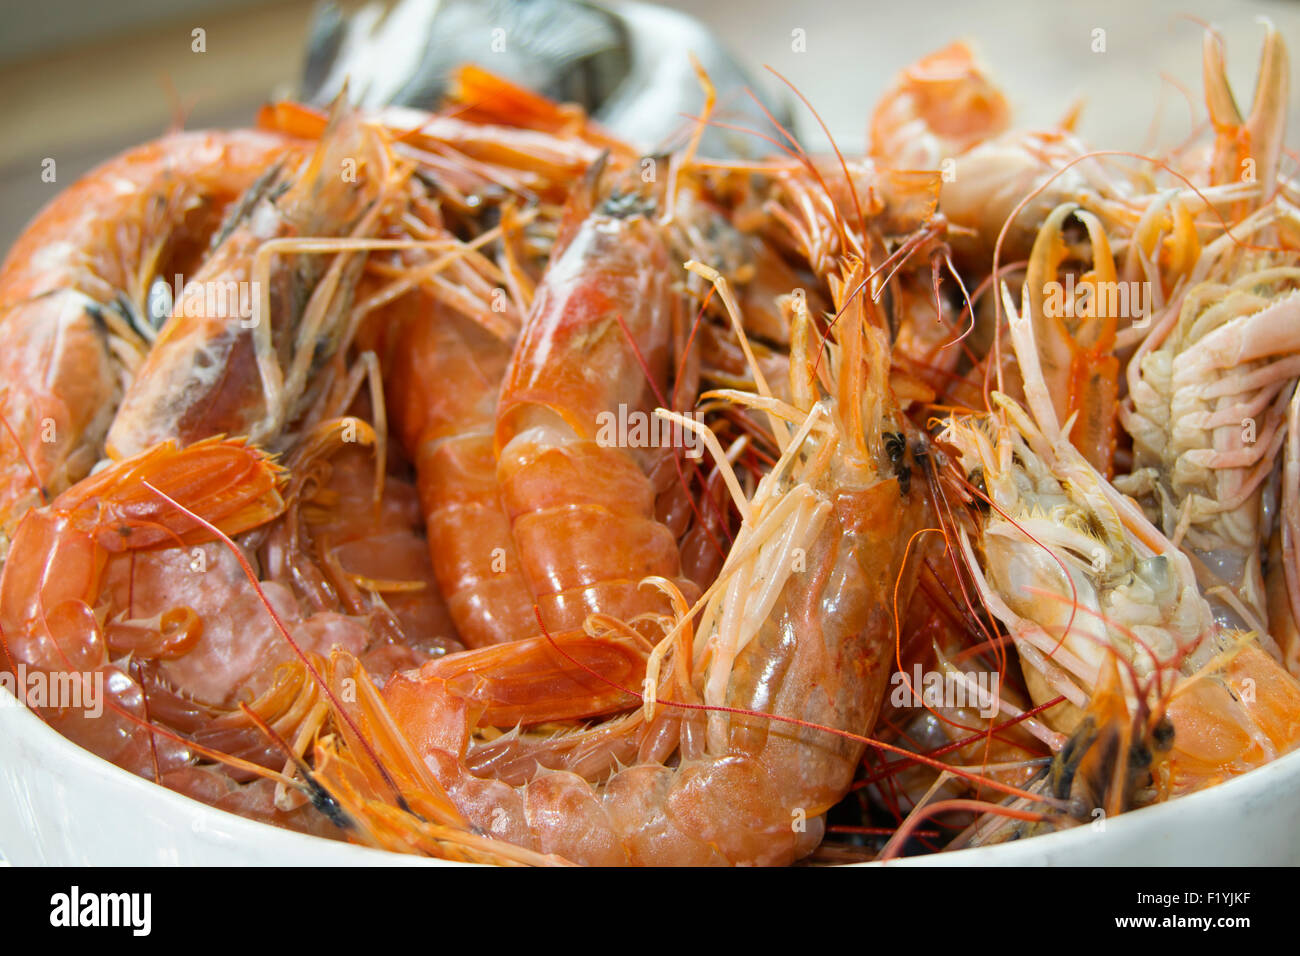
(597, 346)
(445, 380)
(809, 640)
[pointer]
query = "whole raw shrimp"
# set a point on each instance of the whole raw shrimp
(446, 348)
(449, 430)
(330, 554)
(1208, 413)
(794, 639)
(77, 309)
(1081, 579)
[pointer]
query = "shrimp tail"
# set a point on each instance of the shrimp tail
(231, 485)
(52, 585)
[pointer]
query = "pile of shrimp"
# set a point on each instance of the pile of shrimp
(466, 483)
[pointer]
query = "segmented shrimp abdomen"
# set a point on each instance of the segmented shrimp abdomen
(583, 519)
(474, 553)
(576, 431)
(130, 218)
(446, 373)
(79, 277)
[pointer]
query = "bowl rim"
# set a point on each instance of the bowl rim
(83, 762)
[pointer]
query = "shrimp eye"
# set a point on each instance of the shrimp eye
(1163, 734)
(326, 804)
(976, 480)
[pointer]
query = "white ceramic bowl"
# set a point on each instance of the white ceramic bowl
(61, 805)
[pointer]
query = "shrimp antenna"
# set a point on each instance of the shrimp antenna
(895, 846)
(848, 178)
(680, 163)
(807, 160)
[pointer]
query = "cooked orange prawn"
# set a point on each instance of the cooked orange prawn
(167, 618)
(599, 342)
(66, 553)
(448, 429)
(352, 567)
(76, 312)
(446, 381)
(242, 352)
(805, 641)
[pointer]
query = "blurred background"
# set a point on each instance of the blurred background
(83, 79)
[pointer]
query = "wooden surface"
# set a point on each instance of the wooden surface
(84, 102)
